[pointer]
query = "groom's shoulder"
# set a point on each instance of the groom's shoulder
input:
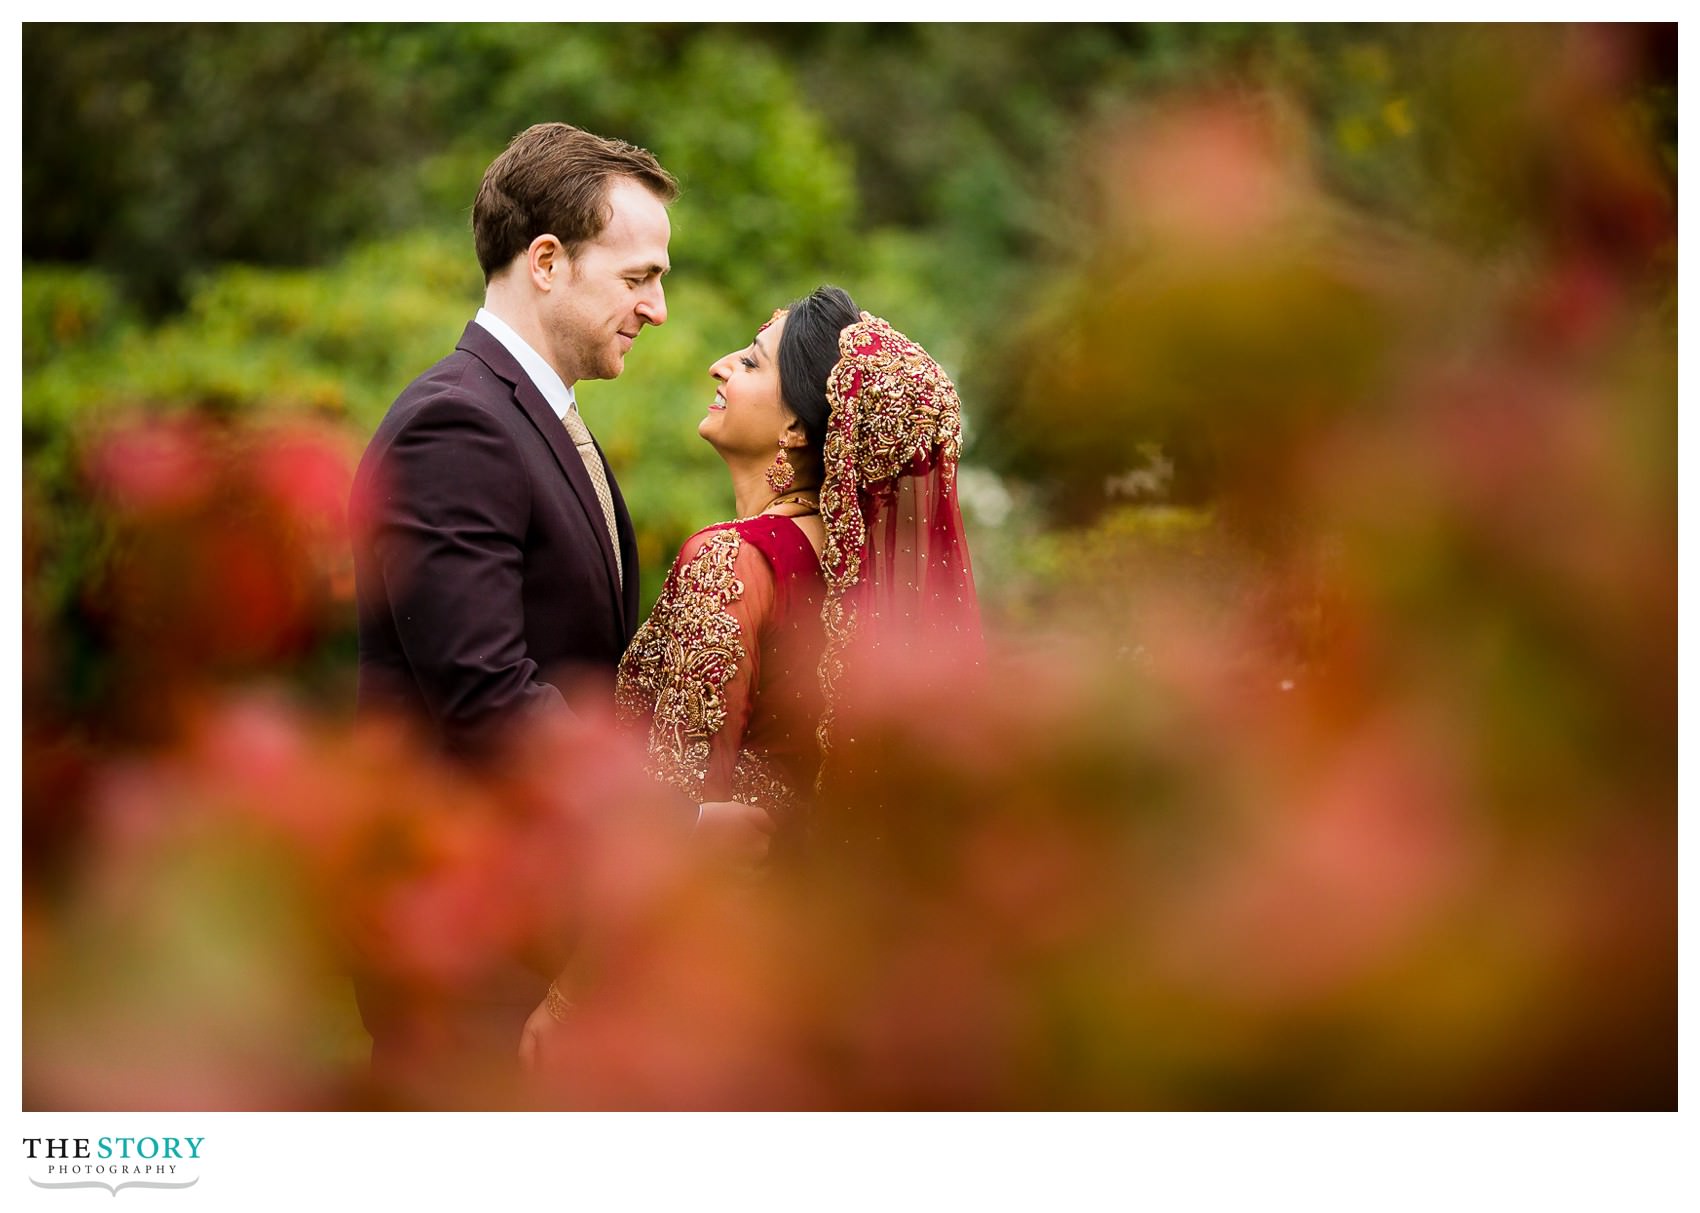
(458, 382)
(460, 371)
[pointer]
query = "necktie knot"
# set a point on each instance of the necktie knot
(576, 428)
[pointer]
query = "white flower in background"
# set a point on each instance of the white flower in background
(983, 495)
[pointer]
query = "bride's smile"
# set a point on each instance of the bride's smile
(748, 411)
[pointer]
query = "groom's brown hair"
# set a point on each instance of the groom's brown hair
(554, 178)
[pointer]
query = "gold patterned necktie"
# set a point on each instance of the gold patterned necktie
(580, 434)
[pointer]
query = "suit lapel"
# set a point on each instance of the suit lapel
(628, 550)
(529, 397)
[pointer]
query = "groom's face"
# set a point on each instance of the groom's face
(614, 287)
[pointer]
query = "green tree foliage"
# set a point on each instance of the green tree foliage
(156, 151)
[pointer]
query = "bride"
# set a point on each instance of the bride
(841, 437)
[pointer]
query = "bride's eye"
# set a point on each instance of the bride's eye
(748, 361)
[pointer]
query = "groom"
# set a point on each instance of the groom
(495, 562)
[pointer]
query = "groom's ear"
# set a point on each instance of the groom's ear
(545, 260)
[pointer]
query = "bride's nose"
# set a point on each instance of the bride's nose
(721, 369)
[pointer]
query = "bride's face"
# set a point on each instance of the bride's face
(748, 415)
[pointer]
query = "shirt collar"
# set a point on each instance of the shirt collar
(559, 395)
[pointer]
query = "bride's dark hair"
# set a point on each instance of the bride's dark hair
(808, 350)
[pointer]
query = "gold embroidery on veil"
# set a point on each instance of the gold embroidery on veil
(890, 405)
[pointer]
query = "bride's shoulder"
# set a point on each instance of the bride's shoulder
(713, 532)
(761, 531)
(720, 536)
(744, 547)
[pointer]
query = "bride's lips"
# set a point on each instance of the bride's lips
(718, 404)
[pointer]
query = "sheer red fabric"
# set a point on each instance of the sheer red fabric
(899, 584)
(724, 669)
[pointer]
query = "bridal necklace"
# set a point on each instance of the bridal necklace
(804, 497)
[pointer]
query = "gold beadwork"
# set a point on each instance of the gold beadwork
(680, 661)
(754, 781)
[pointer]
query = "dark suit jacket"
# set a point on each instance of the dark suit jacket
(482, 564)
(486, 587)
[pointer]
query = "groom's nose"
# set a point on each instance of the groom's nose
(653, 306)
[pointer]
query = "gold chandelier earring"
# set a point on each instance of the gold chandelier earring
(780, 474)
